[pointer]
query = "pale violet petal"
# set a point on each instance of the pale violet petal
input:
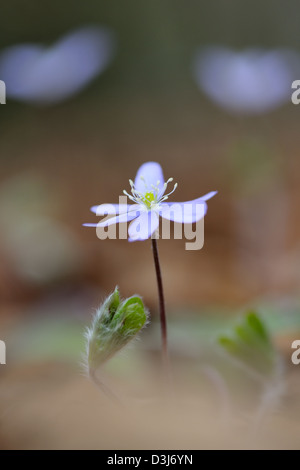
(126, 217)
(148, 175)
(143, 227)
(184, 212)
(208, 196)
(111, 209)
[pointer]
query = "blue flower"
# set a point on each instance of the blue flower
(149, 195)
(43, 75)
(251, 81)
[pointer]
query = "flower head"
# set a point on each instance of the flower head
(149, 195)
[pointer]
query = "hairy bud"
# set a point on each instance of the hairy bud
(115, 323)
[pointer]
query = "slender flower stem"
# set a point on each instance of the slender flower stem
(162, 310)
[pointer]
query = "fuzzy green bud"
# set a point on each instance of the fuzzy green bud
(115, 323)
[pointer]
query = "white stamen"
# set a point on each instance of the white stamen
(167, 195)
(139, 197)
(144, 181)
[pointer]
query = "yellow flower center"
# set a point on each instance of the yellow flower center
(148, 199)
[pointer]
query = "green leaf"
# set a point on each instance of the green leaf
(250, 343)
(229, 344)
(257, 325)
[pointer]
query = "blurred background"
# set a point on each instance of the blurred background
(93, 91)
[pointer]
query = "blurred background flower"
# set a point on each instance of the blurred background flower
(47, 75)
(252, 81)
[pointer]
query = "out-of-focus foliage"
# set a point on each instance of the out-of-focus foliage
(251, 344)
